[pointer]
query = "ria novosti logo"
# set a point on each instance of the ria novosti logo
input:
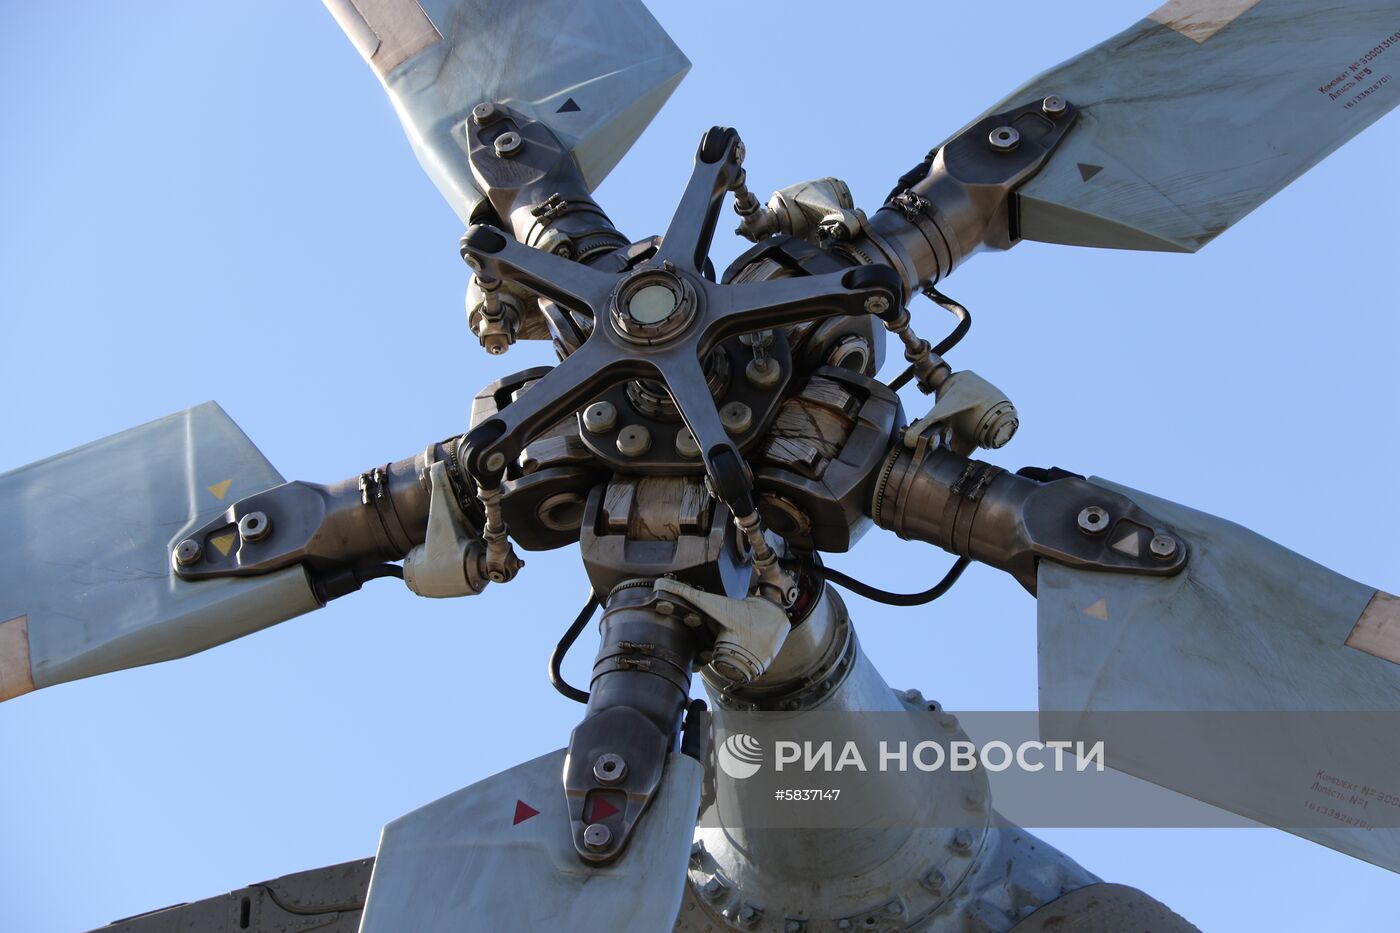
(740, 756)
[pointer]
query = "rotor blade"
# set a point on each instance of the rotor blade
(498, 855)
(594, 71)
(86, 582)
(1199, 113)
(1283, 671)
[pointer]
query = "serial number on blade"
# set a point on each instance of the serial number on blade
(807, 793)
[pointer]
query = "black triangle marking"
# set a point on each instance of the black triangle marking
(1087, 172)
(568, 106)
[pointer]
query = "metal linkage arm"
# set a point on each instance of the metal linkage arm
(1013, 520)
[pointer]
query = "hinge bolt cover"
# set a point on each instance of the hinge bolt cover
(188, 552)
(1054, 106)
(1163, 547)
(1093, 520)
(597, 836)
(1004, 138)
(633, 441)
(600, 417)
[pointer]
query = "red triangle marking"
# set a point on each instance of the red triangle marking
(523, 811)
(602, 810)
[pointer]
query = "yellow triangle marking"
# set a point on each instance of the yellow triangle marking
(1098, 610)
(225, 541)
(220, 489)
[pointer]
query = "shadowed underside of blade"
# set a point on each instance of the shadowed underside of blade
(594, 71)
(1202, 111)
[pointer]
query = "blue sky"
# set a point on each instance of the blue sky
(186, 184)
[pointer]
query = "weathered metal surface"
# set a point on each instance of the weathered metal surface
(595, 72)
(1099, 907)
(1196, 115)
(324, 900)
(478, 859)
(1247, 627)
(89, 535)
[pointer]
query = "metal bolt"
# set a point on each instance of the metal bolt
(633, 441)
(748, 914)
(1093, 520)
(713, 888)
(877, 304)
(600, 417)
(496, 461)
(686, 445)
(508, 144)
(665, 607)
(794, 925)
(894, 908)
(934, 880)
(973, 799)
(1054, 106)
(692, 619)
(254, 526)
(1163, 547)
(609, 769)
(763, 373)
(485, 112)
(962, 840)
(495, 344)
(188, 552)
(597, 836)
(1004, 138)
(736, 417)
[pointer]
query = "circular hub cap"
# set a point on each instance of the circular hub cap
(652, 306)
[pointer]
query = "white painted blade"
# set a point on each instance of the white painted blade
(1285, 673)
(86, 582)
(1196, 115)
(594, 71)
(499, 855)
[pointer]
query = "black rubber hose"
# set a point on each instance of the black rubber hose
(955, 308)
(556, 657)
(884, 596)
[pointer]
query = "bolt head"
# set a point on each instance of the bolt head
(1054, 106)
(686, 445)
(763, 373)
(877, 304)
(254, 526)
(188, 552)
(485, 113)
(597, 836)
(600, 417)
(736, 417)
(496, 461)
(713, 888)
(508, 144)
(633, 441)
(1093, 520)
(1163, 547)
(610, 768)
(748, 913)
(495, 344)
(1004, 138)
